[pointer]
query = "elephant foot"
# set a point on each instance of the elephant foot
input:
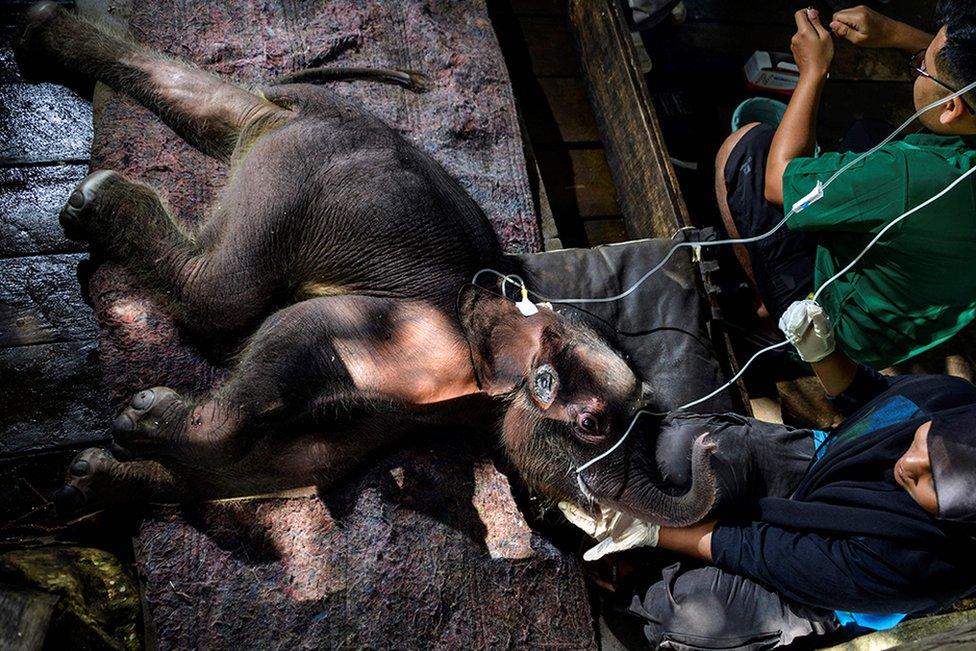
(90, 484)
(77, 214)
(152, 425)
(97, 480)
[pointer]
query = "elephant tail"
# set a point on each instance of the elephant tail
(409, 79)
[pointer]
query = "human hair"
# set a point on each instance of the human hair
(957, 58)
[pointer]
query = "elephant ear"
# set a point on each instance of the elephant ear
(504, 344)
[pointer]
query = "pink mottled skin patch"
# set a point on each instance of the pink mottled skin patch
(424, 361)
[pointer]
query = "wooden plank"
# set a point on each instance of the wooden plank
(956, 630)
(560, 114)
(30, 200)
(605, 231)
(578, 182)
(564, 116)
(8, 67)
(42, 123)
(24, 618)
(650, 199)
(550, 49)
(41, 302)
(52, 397)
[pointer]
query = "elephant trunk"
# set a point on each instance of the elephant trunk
(644, 494)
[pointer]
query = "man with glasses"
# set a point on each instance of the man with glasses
(917, 286)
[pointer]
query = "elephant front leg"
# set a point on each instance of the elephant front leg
(159, 422)
(287, 372)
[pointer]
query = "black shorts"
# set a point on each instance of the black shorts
(782, 263)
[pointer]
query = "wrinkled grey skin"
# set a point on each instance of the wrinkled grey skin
(749, 459)
(342, 255)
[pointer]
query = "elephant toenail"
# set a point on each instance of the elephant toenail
(143, 399)
(77, 199)
(123, 423)
(80, 468)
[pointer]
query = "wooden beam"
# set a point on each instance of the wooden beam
(549, 48)
(605, 231)
(24, 618)
(42, 302)
(584, 186)
(43, 123)
(53, 397)
(650, 199)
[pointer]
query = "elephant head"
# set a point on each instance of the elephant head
(570, 397)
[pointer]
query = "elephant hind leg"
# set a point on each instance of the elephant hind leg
(212, 292)
(96, 480)
(205, 110)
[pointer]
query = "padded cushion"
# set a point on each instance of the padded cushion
(660, 327)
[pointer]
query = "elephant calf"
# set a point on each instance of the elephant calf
(344, 256)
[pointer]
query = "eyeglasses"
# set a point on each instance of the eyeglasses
(917, 65)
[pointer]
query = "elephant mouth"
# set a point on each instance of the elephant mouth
(635, 486)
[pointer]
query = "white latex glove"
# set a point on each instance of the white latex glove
(808, 328)
(614, 530)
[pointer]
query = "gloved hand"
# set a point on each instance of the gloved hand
(807, 327)
(614, 530)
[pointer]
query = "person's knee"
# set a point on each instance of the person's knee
(709, 608)
(726, 149)
(683, 606)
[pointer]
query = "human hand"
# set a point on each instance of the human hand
(808, 328)
(812, 46)
(865, 27)
(614, 530)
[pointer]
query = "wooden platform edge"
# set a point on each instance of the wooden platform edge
(650, 198)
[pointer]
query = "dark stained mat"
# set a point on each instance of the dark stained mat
(428, 550)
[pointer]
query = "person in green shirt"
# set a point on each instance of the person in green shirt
(917, 286)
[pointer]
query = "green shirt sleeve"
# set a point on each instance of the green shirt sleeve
(862, 199)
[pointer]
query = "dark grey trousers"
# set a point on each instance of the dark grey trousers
(709, 608)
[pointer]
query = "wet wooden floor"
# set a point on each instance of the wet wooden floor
(49, 370)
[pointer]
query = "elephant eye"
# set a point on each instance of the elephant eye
(588, 427)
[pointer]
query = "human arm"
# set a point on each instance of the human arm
(795, 136)
(836, 372)
(836, 573)
(617, 531)
(694, 541)
(865, 27)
